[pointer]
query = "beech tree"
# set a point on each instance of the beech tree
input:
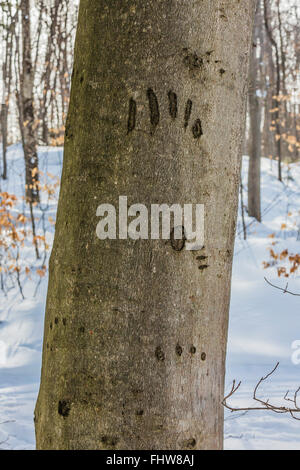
(135, 330)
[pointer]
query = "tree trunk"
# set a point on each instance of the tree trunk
(47, 73)
(268, 132)
(135, 333)
(6, 86)
(255, 125)
(27, 112)
(276, 100)
(4, 117)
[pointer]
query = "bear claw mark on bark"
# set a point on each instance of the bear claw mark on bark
(187, 112)
(172, 104)
(178, 350)
(155, 114)
(201, 258)
(189, 443)
(197, 129)
(192, 61)
(177, 243)
(154, 109)
(109, 441)
(64, 408)
(131, 116)
(159, 354)
(204, 266)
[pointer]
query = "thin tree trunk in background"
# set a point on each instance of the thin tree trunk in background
(6, 85)
(27, 110)
(285, 115)
(38, 34)
(4, 116)
(243, 210)
(47, 74)
(296, 130)
(296, 120)
(136, 331)
(63, 65)
(254, 204)
(276, 99)
(268, 135)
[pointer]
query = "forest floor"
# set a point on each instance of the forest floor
(264, 321)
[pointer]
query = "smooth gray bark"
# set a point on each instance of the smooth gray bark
(135, 332)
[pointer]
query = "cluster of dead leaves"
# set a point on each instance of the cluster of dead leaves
(293, 259)
(49, 184)
(15, 231)
(57, 136)
(291, 140)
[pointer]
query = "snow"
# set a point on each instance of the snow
(264, 322)
(21, 321)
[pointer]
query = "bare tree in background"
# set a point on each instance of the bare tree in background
(273, 112)
(254, 204)
(27, 110)
(276, 98)
(49, 63)
(8, 24)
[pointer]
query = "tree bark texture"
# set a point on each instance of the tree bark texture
(135, 331)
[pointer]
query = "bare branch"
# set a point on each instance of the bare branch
(265, 404)
(285, 291)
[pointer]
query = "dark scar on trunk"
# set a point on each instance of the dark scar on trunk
(64, 408)
(178, 350)
(204, 266)
(187, 112)
(197, 129)
(154, 108)
(201, 257)
(131, 115)
(177, 243)
(159, 354)
(172, 104)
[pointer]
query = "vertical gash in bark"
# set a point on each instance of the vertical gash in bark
(27, 111)
(135, 330)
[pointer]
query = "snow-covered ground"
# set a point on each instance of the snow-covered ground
(21, 321)
(264, 322)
